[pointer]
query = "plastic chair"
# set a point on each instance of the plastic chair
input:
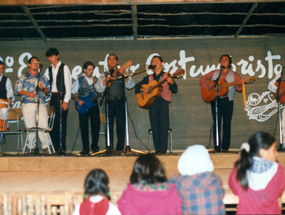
(13, 115)
(51, 116)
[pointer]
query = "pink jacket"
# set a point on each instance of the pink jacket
(150, 202)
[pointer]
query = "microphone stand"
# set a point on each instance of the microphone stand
(36, 149)
(128, 149)
(217, 147)
(108, 150)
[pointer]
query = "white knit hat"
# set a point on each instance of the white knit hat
(195, 159)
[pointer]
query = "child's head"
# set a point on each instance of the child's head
(96, 183)
(263, 145)
(194, 160)
(147, 169)
(260, 144)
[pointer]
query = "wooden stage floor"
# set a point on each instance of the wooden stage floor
(57, 177)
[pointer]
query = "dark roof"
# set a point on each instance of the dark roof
(48, 22)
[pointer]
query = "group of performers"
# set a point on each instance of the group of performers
(32, 87)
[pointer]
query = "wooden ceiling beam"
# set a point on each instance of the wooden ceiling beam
(121, 2)
(135, 21)
(35, 24)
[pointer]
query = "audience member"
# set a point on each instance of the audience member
(257, 179)
(96, 195)
(200, 189)
(148, 191)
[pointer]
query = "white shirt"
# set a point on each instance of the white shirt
(67, 81)
(75, 85)
(9, 88)
(271, 85)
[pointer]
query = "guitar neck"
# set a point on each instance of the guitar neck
(230, 84)
(160, 83)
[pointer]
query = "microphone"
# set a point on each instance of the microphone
(151, 66)
(222, 67)
(41, 66)
(112, 71)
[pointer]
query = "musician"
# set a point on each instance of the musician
(116, 98)
(6, 90)
(60, 82)
(26, 87)
(225, 103)
(159, 110)
(273, 88)
(84, 85)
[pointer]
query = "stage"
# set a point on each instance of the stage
(53, 184)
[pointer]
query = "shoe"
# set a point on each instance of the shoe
(95, 150)
(31, 151)
(84, 152)
(45, 151)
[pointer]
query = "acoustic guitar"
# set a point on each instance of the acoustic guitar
(223, 88)
(145, 100)
(281, 92)
(125, 66)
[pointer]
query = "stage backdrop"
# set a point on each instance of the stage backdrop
(190, 117)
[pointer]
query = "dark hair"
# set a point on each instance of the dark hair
(88, 63)
(113, 55)
(257, 141)
(30, 60)
(230, 59)
(2, 63)
(51, 52)
(157, 56)
(147, 169)
(96, 182)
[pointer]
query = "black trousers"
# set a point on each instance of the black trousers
(116, 110)
(94, 116)
(159, 120)
(225, 113)
(55, 132)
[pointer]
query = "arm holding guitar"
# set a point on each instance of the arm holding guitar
(206, 81)
(75, 98)
(170, 80)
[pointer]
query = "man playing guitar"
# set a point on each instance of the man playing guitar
(159, 110)
(116, 98)
(84, 86)
(273, 86)
(225, 102)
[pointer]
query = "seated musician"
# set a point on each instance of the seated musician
(225, 102)
(6, 91)
(159, 110)
(84, 85)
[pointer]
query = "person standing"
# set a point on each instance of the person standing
(84, 86)
(116, 98)
(60, 82)
(273, 88)
(159, 110)
(26, 87)
(225, 102)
